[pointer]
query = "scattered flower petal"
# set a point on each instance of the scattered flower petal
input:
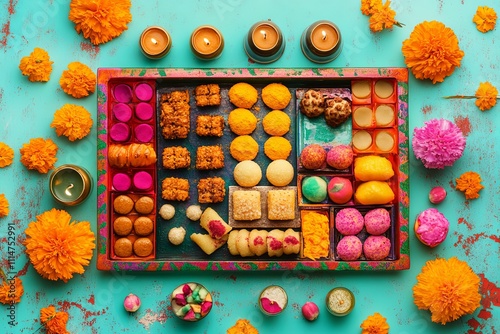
(54, 322)
(4, 206)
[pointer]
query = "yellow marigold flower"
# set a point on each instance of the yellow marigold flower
(10, 292)
(449, 289)
(432, 51)
(6, 155)
(368, 7)
(72, 121)
(37, 66)
(470, 184)
(4, 206)
(383, 18)
(53, 321)
(100, 20)
(375, 324)
(485, 18)
(39, 154)
(58, 248)
(78, 80)
(486, 95)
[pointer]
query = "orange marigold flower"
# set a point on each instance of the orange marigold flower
(58, 248)
(368, 7)
(383, 17)
(37, 66)
(449, 289)
(72, 121)
(39, 154)
(485, 18)
(78, 80)
(6, 155)
(432, 51)
(375, 324)
(486, 95)
(53, 321)
(100, 20)
(11, 291)
(4, 206)
(470, 184)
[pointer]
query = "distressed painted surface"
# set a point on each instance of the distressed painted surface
(94, 300)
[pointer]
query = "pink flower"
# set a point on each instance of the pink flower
(439, 143)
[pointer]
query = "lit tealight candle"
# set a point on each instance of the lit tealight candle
(70, 184)
(321, 42)
(207, 42)
(155, 42)
(264, 42)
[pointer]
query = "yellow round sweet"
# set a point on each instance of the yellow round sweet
(243, 95)
(244, 148)
(276, 96)
(247, 173)
(374, 192)
(242, 121)
(277, 148)
(280, 173)
(276, 123)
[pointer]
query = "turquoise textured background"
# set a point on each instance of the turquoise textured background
(94, 300)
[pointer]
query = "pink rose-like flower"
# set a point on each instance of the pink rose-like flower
(439, 143)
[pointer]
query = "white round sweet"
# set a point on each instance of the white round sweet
(167, 211)
(176, 235)
(193, 212)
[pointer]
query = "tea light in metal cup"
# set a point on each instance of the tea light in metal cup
(340, 301)
(207, 42)
(264, 42)
(70, 184)
(321, 42)
(273, 300)
(155, 42)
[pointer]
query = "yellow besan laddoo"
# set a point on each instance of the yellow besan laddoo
(247, 173)
(243, 95)
(276, 123)
(244, 148)
(276, 148)
(276, 96)
(242, 121)
(280, 173)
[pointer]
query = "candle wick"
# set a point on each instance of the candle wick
(263, 32)
(154, 41)
(67, 192)
(207, 42)
(323, 33)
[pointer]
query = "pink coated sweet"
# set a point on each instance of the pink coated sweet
(349, 221)
(376, 247)
(122, 112)
(119, 132)
(144, 92)
(144, 111)
(340, 157)
(431, 227)
(143, 180)
(122, 93)
(349, 248)
(121, 182)
(377, 221)
(144, 133)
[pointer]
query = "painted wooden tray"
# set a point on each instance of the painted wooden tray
(188, 256)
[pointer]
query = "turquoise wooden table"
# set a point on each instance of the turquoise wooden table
(94, 299)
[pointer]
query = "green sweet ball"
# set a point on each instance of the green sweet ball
(314, 188)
